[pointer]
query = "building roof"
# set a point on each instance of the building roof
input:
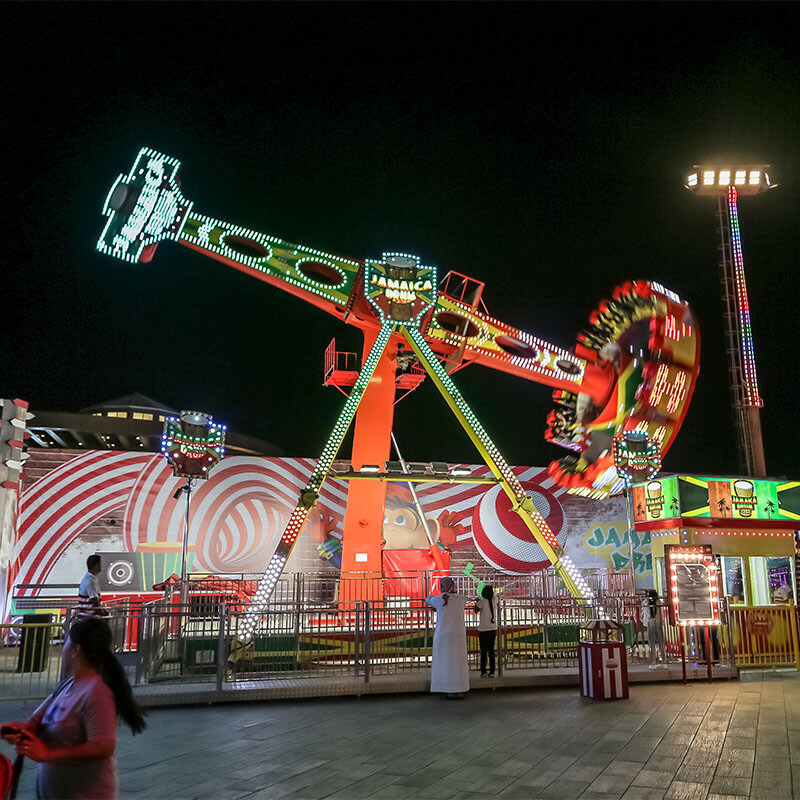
(134, 422)
(131, 402)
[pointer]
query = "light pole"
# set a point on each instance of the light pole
(727, 183)
(193, 445)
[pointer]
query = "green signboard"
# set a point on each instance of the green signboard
(719, 498)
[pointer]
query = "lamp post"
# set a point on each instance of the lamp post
(193, 445)
(636, 459)
(727, 183)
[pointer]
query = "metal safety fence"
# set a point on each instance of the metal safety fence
(765, 636)
(163, 642)
(30, 657)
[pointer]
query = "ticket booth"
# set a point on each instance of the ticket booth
(752, 524)
(752, 527)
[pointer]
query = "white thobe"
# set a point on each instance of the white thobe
(450, 671)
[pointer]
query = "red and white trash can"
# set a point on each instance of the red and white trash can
(602, 661)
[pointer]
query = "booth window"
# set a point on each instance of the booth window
(779, 578)
(734, 577)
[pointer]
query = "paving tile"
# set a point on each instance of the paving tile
(624, 768)
(514, 792)
(643, 793)
(734, 768)
(537, 778)
(702, 758)
(610, 784)
(685, 790)
(635, 754)
(669, 764)
(694, 773)
(365, 787)
(563, 790)
(731, 785)
(654, 779)
(587, 795)
(423, 777)
(727, 797)
(512, 768)
(738, 754)
(772, 751)
(594, 758)
(584, 773)
(771, 766)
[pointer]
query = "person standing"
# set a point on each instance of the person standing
(651, 619)
(449, 671)
(486, 608)
(73, 733)
(89, 600)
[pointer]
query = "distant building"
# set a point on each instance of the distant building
(133, 423)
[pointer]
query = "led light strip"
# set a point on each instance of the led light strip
(707, 560)
(281, 259)
(749, 376)
(704, 532)
(544, 362)
(310, 494)
(522, 503)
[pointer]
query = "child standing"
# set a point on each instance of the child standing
(486, 608)
(651, 619)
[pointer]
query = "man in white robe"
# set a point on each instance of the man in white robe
(450, 670)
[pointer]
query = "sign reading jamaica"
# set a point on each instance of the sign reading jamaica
(400, 288)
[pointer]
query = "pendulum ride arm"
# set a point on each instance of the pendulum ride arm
(310, 493)
(646, 386)
(521, 503)
(634, 368)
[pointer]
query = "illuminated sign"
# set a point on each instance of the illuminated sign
(692, 585)
(400, 288)
(739, 498)
(656, 500)
(144, 208)
(636, 457)
(192, 444)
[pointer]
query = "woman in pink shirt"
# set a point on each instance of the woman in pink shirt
(73, 733)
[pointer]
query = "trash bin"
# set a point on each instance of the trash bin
(34, 643)
(603, 661)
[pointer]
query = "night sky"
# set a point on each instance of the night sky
(539, 148)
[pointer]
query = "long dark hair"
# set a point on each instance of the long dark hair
(94, 637)
(652, 600)
(488, 593)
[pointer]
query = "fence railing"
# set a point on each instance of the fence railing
(30, 659)
(376, 638)
(164, 642)
(765, 636)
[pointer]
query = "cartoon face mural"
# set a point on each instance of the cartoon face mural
(402, 527)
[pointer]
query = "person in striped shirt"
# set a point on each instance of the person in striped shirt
(89, 600)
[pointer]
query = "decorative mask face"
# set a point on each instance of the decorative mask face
(403, 529)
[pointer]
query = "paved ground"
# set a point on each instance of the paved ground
(729, 739)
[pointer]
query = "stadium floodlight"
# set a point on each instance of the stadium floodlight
(727, 182)
(714, 180)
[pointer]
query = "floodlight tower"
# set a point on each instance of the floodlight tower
(727, 183)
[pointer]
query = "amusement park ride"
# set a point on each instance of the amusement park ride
(633, 369)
